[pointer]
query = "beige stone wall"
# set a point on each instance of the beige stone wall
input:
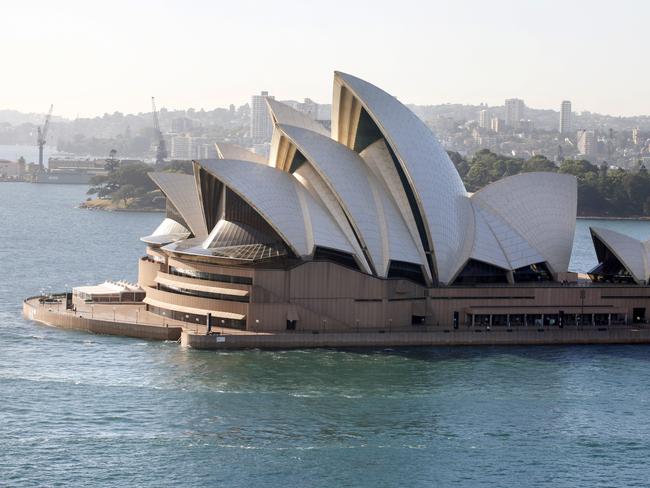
(325, 296)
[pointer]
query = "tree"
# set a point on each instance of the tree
(124, 194)
(538, 163)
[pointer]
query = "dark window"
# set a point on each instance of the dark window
(500, 320)
(532, 273)
(601, 319)
(409, 271)
(203, 275)
(338, 257)
(534, 319)
(417, 319)
(516, 320)
(203, 294)
(197, 318)
(291, 324)
(476, 272)
(609, 268)
(481, 319)
(638, 315)
(551, 319)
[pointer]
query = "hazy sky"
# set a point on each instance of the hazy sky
(90, 57)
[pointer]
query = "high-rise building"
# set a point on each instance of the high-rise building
(635, 136)
(496, 124)
(261, 123)
(587, 142)
(565, 117)
(514, 112)
(181, 147)
(484, 119)
(181, 125)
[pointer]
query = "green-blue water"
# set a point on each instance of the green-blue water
(85, 410)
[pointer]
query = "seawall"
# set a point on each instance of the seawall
(443, 337)
(34, 311)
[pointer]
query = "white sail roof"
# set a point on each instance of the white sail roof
(283, 202)
(632, 253)
(281, 113)
(439, 193)
(181, 190)
(226, 150)
(538, 207)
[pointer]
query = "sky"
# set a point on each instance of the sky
(92, 57)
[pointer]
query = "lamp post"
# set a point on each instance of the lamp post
(390, 325)
(257, 325)
(113, 314)
(223, 325)
(357, 324)
(92, 311)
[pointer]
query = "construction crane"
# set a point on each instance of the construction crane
(42, 137)
(161, 150)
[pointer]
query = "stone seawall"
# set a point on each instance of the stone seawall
(32, 310)
(450, 337)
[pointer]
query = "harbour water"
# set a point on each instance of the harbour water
(86, 410)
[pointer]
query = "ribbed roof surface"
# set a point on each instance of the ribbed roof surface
(181, 191)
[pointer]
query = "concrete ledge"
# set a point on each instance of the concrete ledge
(448, 337)
(33, 311)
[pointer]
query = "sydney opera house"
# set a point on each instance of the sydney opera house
(368, 226)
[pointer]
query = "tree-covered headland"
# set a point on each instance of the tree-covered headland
(602, 191)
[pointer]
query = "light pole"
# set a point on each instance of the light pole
(257, 325)
(390, 325)
(113, 314)
(223, 325)
(92, 311)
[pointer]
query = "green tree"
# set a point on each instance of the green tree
(124, 194)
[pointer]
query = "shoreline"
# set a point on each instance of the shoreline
(108, 206)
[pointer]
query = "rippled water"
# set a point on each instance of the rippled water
(85, 410)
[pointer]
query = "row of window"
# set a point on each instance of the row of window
(204, 275)
(197, 319)
(203, 294)
(532, 320)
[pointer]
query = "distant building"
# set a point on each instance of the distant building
(484, 119)
(514, 112)
(565, 117)
(181, 147)
(526, 125)
(11, 169)
(181, 125)
(205, 150)
(587, 144)
(635, 136)
(497, 124)
(261, 123)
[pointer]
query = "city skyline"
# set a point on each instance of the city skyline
(110, 72)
